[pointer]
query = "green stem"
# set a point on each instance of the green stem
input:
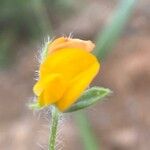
(89, 140)
(53, 129)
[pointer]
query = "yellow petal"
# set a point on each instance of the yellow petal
(50, 89)
(42, 83)
(67, 62)
(65, 42)
(54, 91)
(40, 100)
(77, 86)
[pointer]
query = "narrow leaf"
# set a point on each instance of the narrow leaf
(86, 132)
(90, 97)
(108, 37)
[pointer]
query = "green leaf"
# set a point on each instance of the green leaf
(89, 140)
(90, 97)
(108, 37)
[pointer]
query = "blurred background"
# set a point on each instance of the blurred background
(122, 121)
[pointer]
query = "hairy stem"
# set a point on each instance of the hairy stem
(53, 129)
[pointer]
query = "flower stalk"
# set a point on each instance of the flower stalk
(53, 129)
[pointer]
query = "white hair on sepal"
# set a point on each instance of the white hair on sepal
(70, 35)
(43, 48)
(47, 114)
(40, 55)
(36, 75)
(35, 55)
(32, 100)
(44, 114)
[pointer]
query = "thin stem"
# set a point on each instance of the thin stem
(53, 129)
(89, 140)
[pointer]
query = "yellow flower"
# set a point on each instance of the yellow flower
(66, 72)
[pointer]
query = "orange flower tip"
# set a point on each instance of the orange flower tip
(67, 42)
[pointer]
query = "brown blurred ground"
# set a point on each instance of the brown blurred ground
(120, 123)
